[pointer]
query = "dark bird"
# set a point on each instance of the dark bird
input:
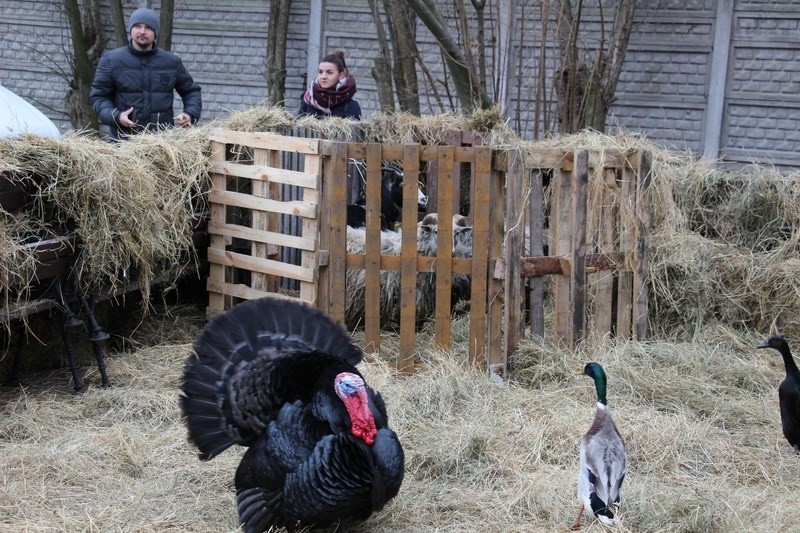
(603, 460)
(279, 377)
(788, 391)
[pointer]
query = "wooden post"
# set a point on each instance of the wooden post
(408, 265)
(641, 265)
(536, 249)
(480, 211)
(260, 188)
(444, 253)
(627, 243)
(496, 358)
(560, 217)
(372, 261)
(338, 185)
(580, 197)
(606, 234)
(515, 231)
(216, 273)
(310, 229)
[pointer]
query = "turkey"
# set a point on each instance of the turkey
(279, 377)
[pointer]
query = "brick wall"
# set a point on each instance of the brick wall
(663, 91)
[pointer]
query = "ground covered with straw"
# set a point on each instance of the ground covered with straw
(697, 403)
(700, 420)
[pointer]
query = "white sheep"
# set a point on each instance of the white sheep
(391, 242)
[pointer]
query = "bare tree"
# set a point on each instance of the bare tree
(469, 89)
(118, 21)
(276, 50)
(382, 70)
(586, 90)
(403, 29)
(88, 42)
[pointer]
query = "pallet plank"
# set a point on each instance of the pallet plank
(408, 265)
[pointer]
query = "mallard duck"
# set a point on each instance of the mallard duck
(603, 458)
(788, 391)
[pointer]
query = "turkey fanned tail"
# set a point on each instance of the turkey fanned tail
(243, 345)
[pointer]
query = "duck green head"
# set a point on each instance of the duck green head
(596, 372)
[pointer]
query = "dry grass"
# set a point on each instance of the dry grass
(698, 407)
(700, 420)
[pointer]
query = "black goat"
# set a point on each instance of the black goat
(391, 201)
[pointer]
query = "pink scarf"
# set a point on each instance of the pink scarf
(325, 99)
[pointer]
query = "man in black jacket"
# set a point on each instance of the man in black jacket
(133, 87)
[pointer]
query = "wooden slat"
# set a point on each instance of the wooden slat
(310, 259)
(260, 189)
(513, 318)
(495, 353)
(606, 234)
(535, 237)
(444, 269)
(562, 229)
(236, 199)
(265, 173)
(627, 245)
(265, 237)
(338, 219)
(216, 273)
(244, 292)
(408, 266)
(553, 158)
(562, 266)
(641, 266)
(265, 141)
(257, 264)
(324, 229)
(480, 207)
(461, 265)
(372, 285)
(580, 199)
(274, 190)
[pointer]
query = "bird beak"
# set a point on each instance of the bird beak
(762, 345)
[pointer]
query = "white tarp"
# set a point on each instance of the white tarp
(18, 116)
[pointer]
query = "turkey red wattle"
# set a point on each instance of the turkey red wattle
(351, 390)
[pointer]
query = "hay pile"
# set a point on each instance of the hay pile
(129, 204)
(700, 420)
(723, 244)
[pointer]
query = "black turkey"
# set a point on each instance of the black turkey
(279, 377)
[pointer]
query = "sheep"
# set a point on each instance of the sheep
(427, 235)
(391, 242)
(462, 247)
(354, 279)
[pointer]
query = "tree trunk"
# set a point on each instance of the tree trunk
(165, 22)
(480, 6)
(382, 71)
(118, 21)
(276, 51)
(468, 88)
(88, 42)
(403, 27)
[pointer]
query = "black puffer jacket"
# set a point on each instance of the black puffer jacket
(145, 81)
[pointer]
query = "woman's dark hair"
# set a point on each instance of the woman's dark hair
(337, 58)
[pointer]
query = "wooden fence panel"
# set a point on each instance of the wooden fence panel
(500, 184)
(246, 272)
